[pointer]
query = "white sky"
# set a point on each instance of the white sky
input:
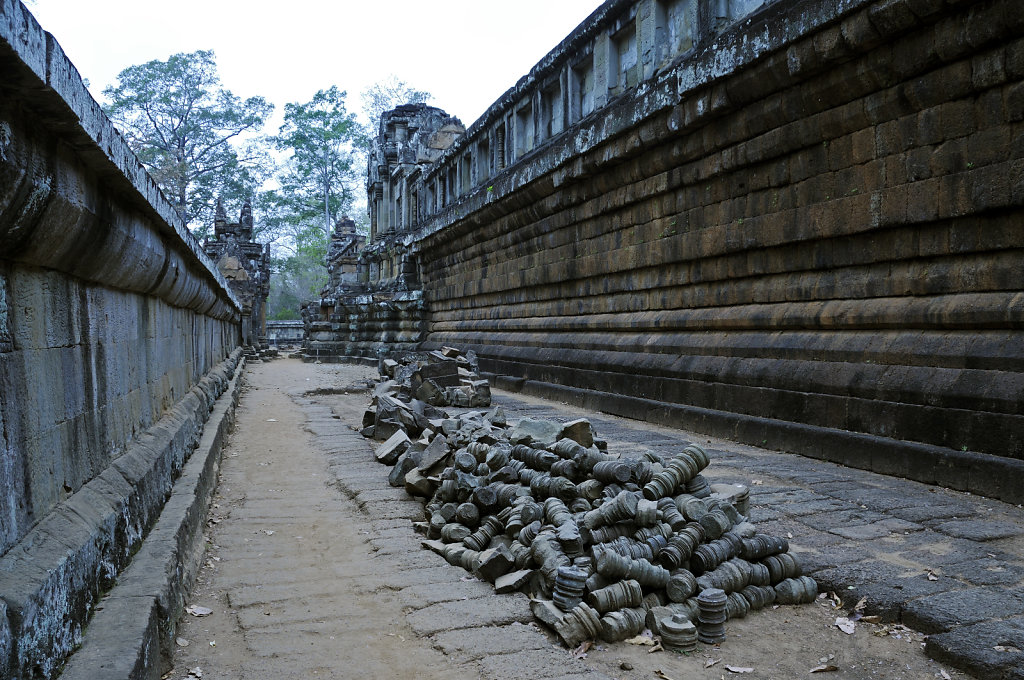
(464, 52)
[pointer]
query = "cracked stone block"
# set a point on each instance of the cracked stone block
(991, 649)
(979, 530)
(509, 583)
(470, 614)
(527, 665)
(580, 431)
(541, 433)
(476, 643)
(864, 532)
(940, 613)
(389, 451)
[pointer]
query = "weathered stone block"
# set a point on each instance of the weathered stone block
(396, 445)
(540, 433)
(418, 485)
(513, 581)
(495, 562)
(6, 639)
(437, 450)
(580, 431)
(385, 429)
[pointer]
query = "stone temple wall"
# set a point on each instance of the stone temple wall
(796, 224)
(116, 337)
(245, 264)
(373, 302)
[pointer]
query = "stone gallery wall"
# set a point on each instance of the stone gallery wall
(800, 228)
(116, 337)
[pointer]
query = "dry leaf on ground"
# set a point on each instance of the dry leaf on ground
(708, 663)
(581, 651)
(846, 625)
(182, 642)
(824, 668)
(661, 675)
(739, 669)
(196, 610)
(641, 640)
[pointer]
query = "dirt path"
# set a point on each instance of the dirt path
(289, 574)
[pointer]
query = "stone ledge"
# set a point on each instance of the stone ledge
(53, 577)
(132, 636)
(985, 475)
(52, 92)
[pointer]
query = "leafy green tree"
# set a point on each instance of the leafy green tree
(315, 185)
(386, 95)
(318, 179)
(196, 138)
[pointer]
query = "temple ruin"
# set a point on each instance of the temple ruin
(246, 266)
(791, 224)
(373, 299)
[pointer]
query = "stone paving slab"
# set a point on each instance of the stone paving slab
(942, 613)
(497, 611)
(534, 663)
(992, 649)
(395, 546)
(443, 573)
(427, 594)
(469, 644)
(246, 596)
(976, 530)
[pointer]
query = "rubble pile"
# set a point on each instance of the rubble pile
(445, 377)
(604, 546)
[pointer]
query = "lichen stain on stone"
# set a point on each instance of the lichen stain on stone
(5, 139)
(5, 331)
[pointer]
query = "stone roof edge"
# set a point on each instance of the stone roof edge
(92, 133)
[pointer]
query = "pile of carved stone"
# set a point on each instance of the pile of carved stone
(445, 377)
(604, 546)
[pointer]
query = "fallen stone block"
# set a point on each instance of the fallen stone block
(385, 429)
(418, 485)
(513, 581)
(496, 417)
(436, 451)
(546, 612)
(495, 562)
(440, 547)
(388, 452)
(580, 431)
(405, 462)
(430, 392)
(539, 433)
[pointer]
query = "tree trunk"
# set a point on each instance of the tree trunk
(327, 196)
